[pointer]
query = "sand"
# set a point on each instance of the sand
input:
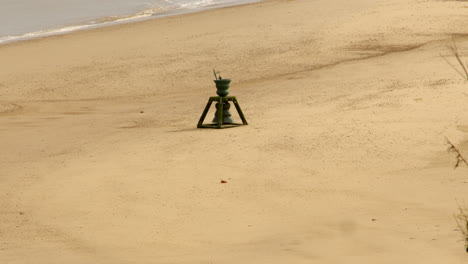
(344, 160)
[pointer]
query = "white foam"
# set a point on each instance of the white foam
(43, 33)
(197, 4)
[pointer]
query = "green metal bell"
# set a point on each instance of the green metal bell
(222, 118)
(222, 89)
(227, 119)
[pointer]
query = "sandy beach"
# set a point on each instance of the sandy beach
(350, 106)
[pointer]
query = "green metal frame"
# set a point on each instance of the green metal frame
(219, 112)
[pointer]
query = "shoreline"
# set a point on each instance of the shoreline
(108, 21)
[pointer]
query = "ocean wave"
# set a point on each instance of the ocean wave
(105, 21)
(154, 9)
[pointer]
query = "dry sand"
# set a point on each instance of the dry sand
(344, 160)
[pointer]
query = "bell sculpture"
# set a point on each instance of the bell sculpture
(222, 117)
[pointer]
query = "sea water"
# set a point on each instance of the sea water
(24, 19)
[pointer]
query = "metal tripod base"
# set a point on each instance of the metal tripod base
(220, 121)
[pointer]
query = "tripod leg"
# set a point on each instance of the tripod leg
(239, 110)
(200, 122)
